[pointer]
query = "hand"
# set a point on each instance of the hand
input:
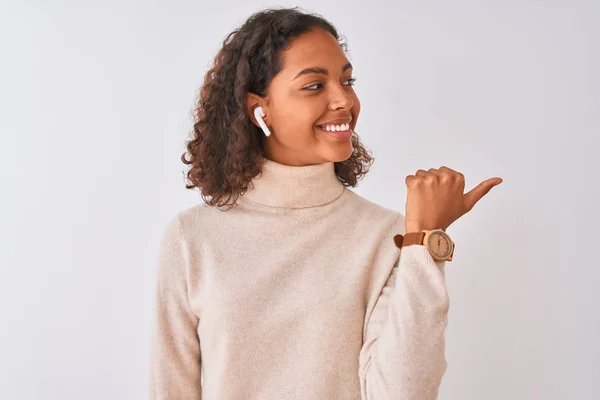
(435, 198)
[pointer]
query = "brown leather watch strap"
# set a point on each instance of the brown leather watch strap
(409, 239)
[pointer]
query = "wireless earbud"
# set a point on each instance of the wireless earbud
(258, 114)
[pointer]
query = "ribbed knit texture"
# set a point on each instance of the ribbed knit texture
(297, 293)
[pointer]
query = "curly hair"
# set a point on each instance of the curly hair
(225, 150)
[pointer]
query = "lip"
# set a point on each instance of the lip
(337, 121)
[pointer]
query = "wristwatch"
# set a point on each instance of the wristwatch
(439, 244)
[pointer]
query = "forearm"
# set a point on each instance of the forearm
(404, 357)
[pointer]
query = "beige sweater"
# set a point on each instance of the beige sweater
(297, 293)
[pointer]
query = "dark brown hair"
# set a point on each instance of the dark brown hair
(225, 151)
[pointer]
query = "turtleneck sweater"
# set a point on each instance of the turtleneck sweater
(298, 292)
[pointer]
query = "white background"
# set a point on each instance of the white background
(95, 105)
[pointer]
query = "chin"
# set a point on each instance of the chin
(339, 154)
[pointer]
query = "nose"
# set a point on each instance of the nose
(340, 99)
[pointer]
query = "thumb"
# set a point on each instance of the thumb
(473, 196)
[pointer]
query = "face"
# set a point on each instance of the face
(310, 108)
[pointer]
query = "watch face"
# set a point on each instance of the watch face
(439, 244)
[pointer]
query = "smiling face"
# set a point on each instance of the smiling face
(313, 88)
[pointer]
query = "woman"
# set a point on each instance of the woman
(285, 284)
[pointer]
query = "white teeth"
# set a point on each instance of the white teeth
(342, 127)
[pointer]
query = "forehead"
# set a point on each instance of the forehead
(316, 48)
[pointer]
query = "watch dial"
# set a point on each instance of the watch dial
(440, 244)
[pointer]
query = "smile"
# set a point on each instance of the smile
(342, 131)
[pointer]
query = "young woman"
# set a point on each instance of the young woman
(284, 283)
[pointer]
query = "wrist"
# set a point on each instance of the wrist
(412, 228)
(419, 228)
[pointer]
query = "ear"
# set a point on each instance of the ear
(252, 101)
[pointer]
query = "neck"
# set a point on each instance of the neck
(287, 186)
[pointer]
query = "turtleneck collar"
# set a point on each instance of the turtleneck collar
(288, 186)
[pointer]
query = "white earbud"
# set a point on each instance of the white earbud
(258, 114)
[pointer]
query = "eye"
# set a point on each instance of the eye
(311, 86)
(350, 82)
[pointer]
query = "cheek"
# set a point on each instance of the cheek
(355, 110)
(298, 121)
(306, 115)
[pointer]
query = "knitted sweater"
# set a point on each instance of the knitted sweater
(297, 293)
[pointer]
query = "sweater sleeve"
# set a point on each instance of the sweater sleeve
(175, 362)
(403, 354)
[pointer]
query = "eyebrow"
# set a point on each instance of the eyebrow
(319, 70)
